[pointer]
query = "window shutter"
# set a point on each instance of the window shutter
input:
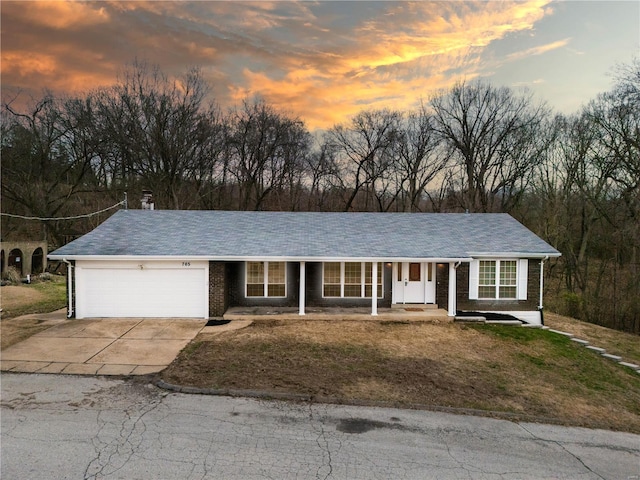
(523, 274)
(474, 278)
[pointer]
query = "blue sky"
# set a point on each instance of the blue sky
(324, 61)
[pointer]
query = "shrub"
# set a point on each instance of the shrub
(11, 276)
(573, 304)
(44, 277)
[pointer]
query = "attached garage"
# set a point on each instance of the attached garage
(142, 289)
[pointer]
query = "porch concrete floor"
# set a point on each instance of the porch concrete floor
(419, 313)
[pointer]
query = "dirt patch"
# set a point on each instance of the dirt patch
(40, 297)
(13, 296)
(507, 369)
(14, 330)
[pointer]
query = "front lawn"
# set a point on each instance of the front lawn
(37, 297)
(514, 370)
(18, 300)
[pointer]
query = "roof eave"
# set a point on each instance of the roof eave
(256, 258)
(540, 255)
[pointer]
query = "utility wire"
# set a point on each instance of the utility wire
(86, 215)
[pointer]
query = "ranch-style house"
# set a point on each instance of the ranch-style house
(172, 263)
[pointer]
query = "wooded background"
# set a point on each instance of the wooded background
(572, 179)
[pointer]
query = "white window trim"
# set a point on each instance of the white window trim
(362, 280)
(265, 293)
(521, 279)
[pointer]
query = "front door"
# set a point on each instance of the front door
(414, 282)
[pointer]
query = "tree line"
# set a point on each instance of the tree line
(572, 179)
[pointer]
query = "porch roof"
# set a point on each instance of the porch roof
(215, 234)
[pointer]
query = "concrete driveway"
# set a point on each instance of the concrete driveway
(106, 346)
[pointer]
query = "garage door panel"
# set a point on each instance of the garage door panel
(148, 292)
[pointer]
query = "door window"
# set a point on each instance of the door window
(414, 272)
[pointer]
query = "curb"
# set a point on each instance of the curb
(229, 392)
(293, 397)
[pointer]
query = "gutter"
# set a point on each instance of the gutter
(69, 287)
(267, 258)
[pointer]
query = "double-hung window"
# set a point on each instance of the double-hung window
(498, 279)
(350, 280)
(266, 279)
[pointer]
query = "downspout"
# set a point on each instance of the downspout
(542, 288)
(70, 311)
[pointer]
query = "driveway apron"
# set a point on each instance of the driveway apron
(107, 346)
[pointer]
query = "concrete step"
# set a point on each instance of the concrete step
(581, 342)
(630, 365)
(560, 332)
(504, 322)
(424, 306)
(470, 319)
(615, 358)
(596, 349)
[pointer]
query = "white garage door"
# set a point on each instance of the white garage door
(171, 289)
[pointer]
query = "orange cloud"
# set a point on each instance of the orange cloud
(395, 60)
(322, 62)
(539, 50)
(60, 15)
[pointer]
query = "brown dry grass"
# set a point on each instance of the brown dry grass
(40, 297)
(14, 330)
(18, 300)
(503, 369)
(14, 296)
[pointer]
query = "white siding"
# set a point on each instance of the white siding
(523, 272)
(474, 278)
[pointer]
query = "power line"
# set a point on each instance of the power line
(44, 219)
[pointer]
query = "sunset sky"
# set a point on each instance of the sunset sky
(323, 61)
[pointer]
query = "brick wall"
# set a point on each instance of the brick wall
(218, 289)
(314, 296)
(236, 286)
(442, 285)
(462, 290)
(530, 304)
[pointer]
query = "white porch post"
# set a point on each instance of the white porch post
(374, 288)
(541, 282)
(452, 290)
(302, 288)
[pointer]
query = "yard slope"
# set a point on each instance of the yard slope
(514, 370)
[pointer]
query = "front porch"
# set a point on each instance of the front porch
(413, 313)
(330, 289)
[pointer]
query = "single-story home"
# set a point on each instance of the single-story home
(172, 263)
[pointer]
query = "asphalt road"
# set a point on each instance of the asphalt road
(65, 427)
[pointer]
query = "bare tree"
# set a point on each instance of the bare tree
(420, 160)
(44, 162)
(159, 132)
(266, 152)
(364, 148)
(481, 125)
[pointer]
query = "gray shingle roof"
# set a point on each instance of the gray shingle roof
(305, 235)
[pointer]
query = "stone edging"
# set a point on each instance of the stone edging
(598, 350)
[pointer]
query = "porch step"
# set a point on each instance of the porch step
(470, 319)
(422, 306)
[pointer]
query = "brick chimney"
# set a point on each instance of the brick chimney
(147, 200)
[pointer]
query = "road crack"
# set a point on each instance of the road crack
(323, 444)
(112, 455)
(563, 448)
